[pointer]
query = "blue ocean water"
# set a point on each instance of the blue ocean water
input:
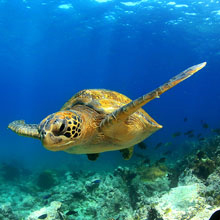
(49, 50)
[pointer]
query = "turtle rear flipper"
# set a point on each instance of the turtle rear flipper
(127, 153)
(125, 111)
(23, 129)
(93, 157)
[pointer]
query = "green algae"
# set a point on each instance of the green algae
(152, 173)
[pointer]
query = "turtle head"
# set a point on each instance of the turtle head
(60, 130)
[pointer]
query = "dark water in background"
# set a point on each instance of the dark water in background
(49, 50)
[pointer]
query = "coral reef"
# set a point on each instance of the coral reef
(203, 166)
(46, 180)
(188, 189)
(9, 172)
(152, 173)
(7, 213)
(51, 212)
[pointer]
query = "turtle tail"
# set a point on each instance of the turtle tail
(27, 130)
(125, 111)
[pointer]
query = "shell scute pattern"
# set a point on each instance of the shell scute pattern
(101, 100)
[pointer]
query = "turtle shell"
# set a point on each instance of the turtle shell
(103, 101)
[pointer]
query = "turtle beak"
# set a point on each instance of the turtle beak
(50, 141)
(47, 137)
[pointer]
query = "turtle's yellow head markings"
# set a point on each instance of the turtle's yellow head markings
(60, 130)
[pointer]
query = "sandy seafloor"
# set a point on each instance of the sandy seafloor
(159, 190)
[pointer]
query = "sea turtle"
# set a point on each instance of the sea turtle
(99, 120)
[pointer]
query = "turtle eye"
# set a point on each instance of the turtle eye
(62, 127)
(58, 127)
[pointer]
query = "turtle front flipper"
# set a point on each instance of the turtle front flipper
(125, 111)
(21, 128)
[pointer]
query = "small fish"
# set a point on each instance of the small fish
(167, 144)
(47, 196)
(199, 135)
(205, 125)
(42, 216)
(201, 139)
(142, 145)
(167, 152)
(72, 212)
(161, 160)
(215, 215)
(158, 145)
(176, 134)
(189, 132)
(217, 130)
(185, 119)
(146, 161)
(200, 154)
(97, 181)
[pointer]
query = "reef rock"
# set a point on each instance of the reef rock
(48, 213)
(181, 202)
